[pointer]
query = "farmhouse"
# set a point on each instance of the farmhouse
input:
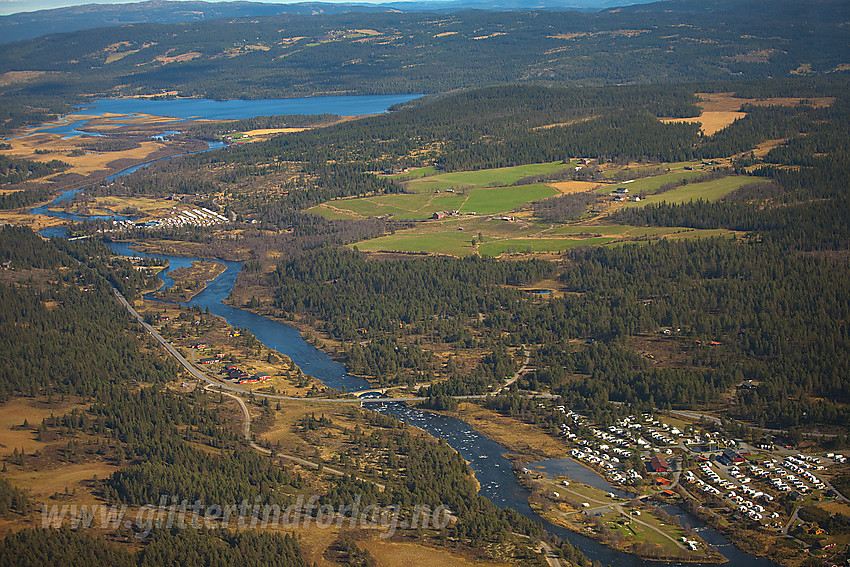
(439, 215)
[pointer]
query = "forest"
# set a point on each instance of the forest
(775, 308)
(423, 53)
(65, 335)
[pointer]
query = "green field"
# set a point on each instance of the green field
(648, 185)
(537, 245)
(499, 177)
(499, 237)
(502, 199)
(453, 243)
(708, 191)
(420, 206)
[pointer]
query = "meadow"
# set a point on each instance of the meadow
(420, 206)
(708, 191)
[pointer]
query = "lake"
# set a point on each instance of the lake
(200, 108)
(181, 109)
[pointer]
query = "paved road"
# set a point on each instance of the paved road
(224, 387)
(246, 433)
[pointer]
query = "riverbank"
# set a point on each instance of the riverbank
(190, 281)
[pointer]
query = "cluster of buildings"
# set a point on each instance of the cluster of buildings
(242, 377)
(202, 217)
(734, 479)
(194, 217)
(622, 194)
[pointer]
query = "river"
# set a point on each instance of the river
(486, 457)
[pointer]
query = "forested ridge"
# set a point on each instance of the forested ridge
(777, 311)
(179, 445)
(486, 128)
(305, 55)
(204, 548)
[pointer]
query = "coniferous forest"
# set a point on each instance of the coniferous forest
(733, 305)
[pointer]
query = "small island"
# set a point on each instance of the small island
(189, 281)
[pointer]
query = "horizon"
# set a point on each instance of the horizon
(15, 7)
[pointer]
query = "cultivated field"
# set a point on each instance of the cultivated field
(420, 206)
(707, 191)
(498, 177)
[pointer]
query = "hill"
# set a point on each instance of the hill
(31, 24)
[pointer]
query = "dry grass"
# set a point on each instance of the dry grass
(166, 59)
(74, 477)
(269, 131)
(314, 541)
(83, 165)
(514, 435)
(393, 554)
(15, 411)
(12, 77)
(569, 187)
(711, 121)
(719, 110)
(567, 123)
(836, 507)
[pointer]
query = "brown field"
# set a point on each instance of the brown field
(11, 77)
(283, 429)
(568, 187)
(44, 483)
(393, 554)
(711, 121)
(719, 110)
(166, 59)
(16, 410)
(84, 165)
(836, 507)
(762, 149)
(268, 131)
(514, 435)
(314, 541)
(567, 123)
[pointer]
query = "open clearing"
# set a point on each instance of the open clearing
(537, 245)
(444, 237)
(498, 177)
(44, 483)
(420, 206)
(392, 554)
(708, 191)
(15, 411)
(648, 185)
(719, 110)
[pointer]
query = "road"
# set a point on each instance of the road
(246, 433)
(606, 507)
(522, 370)
(223, 389)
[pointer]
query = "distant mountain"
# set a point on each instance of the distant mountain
(28, 25)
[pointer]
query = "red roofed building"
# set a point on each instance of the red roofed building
(658, 465)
